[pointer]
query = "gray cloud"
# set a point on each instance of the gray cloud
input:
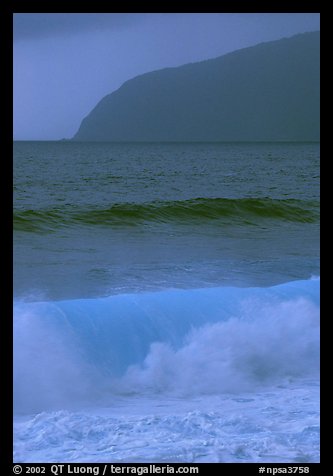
(43, 25)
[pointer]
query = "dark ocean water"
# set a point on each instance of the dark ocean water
(166, 302)
(95, 219)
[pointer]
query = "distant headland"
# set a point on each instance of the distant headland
(268, 92)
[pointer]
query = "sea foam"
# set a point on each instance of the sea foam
(180, 342)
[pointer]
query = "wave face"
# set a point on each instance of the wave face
(238, 211)
(202, 341)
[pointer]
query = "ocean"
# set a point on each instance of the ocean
(166, 302)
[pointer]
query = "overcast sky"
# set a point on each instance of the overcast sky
(64, 63)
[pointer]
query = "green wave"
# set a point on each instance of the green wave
(227, 211)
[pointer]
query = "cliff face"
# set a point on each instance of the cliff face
(263, 93)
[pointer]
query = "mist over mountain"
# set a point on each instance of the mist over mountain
(268, 92)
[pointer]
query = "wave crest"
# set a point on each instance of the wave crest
(224, 210)
(198, 341)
